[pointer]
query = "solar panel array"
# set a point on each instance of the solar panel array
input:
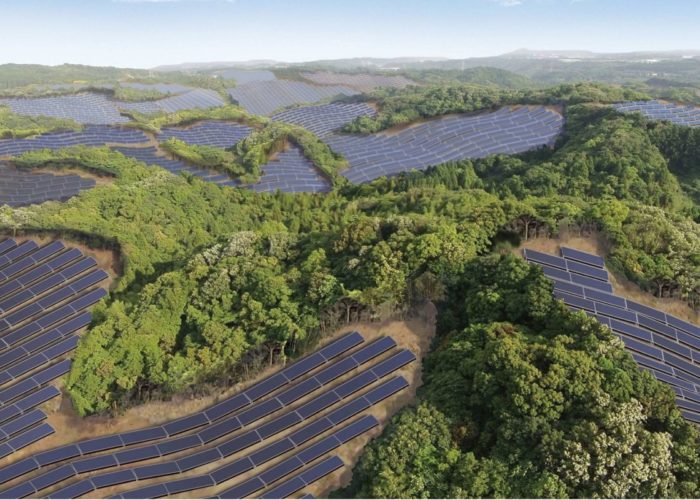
(165, 88)
(362, 82)
(44, 295)
(506, 131)
(150, 156)
(243, 76)
(91, 108)
(264, 97)
(291, 172)
(90, 135)
(195, 98)
(270, 440)
(18, 188)
(208, 133)
(657, 110)
(324, 118)
(666, 346)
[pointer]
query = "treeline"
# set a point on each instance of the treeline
(401, 106)
(14, 126)
(524, 399)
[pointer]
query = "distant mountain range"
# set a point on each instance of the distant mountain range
(443, 62)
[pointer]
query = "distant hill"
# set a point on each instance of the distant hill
(19, 75)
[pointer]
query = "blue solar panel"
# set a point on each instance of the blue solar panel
(586, 258)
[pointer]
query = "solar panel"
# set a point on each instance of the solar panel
(227, 406)
(303, 366)
(189, 484)
(142, 435)
(156, 470)
(309, 431)
(185, 424)
(231, 470)
(348, 410)
(57, 455)
(299, 390)
(238, 443)
(258, 411)
(373, 350)
(278, 424)
(395, 362)
(94, 463)
(271, 451)
(320, 402)
(307, 477)
(586, 258)
(385, 390)
(342, 345)
(354, 384)
(360, 426)
(282, 469)
(75, 490)
(113, 478)
(137, 454)
(266, 387)
(199, 459)
(155, 491)
(244, 490)
(100, 444)
(53, 477)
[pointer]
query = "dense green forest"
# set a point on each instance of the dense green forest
(521, 398)
(524, 399)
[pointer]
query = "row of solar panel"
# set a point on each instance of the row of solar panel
(214, 413)
(253, 436)
(240, 466)
(90, 135)
(656, 110)
(581, 284)
(33, 280)
(324, 118)
(362, 82)
(655, 345)
(265, 97)
(222, 428)
(97, 108)
(22, 190)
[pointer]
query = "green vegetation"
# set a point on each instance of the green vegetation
(131, 94)
(155, 122)
(523, 398)
(20, 126)
(477, 76)
(208, 157)
(245, 158)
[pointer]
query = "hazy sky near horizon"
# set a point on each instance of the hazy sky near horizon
(146, 33)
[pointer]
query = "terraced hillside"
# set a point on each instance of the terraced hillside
(506, 131)
(45, 296)
(271, 440)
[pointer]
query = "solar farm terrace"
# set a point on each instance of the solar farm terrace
(506, 131)
(665, 345)
(45, 295)
(688, 116)
(271, 440)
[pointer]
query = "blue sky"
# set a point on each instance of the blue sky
(145, 33)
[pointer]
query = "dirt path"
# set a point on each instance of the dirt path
(597, 244)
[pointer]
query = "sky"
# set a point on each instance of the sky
(147, 33)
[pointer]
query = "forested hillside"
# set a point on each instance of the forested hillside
(521, 397)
